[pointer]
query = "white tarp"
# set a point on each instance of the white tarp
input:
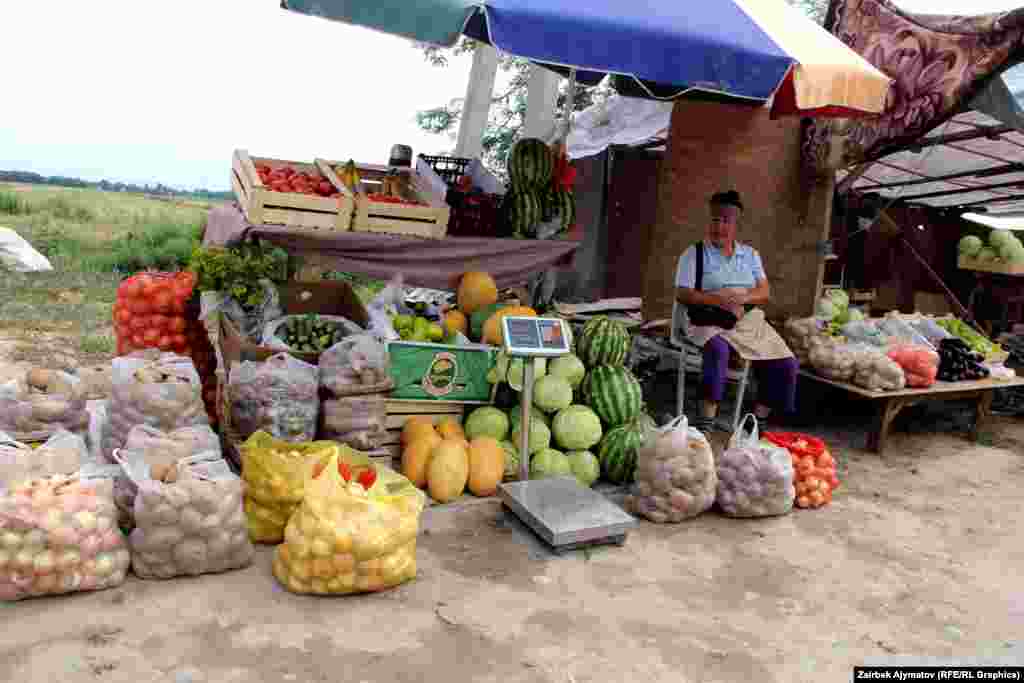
(18, 255)
(1005, 222)
(617, 121)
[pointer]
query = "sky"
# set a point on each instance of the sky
(144, 91)
(147, 92)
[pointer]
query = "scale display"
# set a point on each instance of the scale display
(535, 336)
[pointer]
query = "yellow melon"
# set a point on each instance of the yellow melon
(448, 471)
(493, 332)
(486, 465)
(449, 428)
(416, 458)
(476, 290)
(456, 321)
(416, 428)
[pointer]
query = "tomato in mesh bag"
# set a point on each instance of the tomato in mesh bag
(815, 468)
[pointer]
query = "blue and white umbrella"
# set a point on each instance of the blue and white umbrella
(738, 50)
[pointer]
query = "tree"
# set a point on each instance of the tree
(508, 106)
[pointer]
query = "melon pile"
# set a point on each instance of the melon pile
(444, 462)
(541, 179)
(1002, 247)
(478, 313)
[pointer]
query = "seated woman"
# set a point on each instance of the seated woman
(716, 291)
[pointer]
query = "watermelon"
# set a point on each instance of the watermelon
(614, 394)
(524, 210)
(479, 317)
(617, 451)
(559, 202)
(530, 164)
(603, 342)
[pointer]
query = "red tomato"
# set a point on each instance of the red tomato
(138, 341)
(367, 477)
(151, 336)
(164, 342)
(123, 316)
(345, 471)
(137, 323)
(163, 300)
(318, 469)
(176, 324)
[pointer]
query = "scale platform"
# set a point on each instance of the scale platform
(566, 515)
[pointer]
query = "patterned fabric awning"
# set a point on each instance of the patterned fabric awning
(928, 144)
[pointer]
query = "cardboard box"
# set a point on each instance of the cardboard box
(325, 298)
(441, 372)
(931, 304)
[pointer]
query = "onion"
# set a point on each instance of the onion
(35, 539)
(9, 592)
(89, 582)
(11, 541)
(112, 540)
(5, 558)
(70, 582)
(47, 584)
(64, 536)
(24, 560)
(104, 565)
(90, 545)
(86, 521)
(69, 559)
(45, 563)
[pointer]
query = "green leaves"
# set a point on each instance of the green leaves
(238, 270)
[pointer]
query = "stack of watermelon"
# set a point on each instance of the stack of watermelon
(541, 188)
(612, 391)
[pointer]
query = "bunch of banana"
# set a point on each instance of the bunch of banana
(349, 176)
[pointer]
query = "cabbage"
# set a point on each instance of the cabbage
(826, 309)
(569, 367)
(585, 467)
(511, 458)
(486, 421)
(999, 237)
(1012, 251)
(855, 314)
(970, 245)
(840, 298)
(551, 393)
(988, 254)
(576, 428)
(514, 416)
(516, 368)
(540, 436)
(549, 463)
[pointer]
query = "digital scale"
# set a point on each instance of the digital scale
(561, 512)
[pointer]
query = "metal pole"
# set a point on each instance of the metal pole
(570, 101)
(525, 401)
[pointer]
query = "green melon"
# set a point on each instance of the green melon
(614, 394)
(603, 342)
(617, 452)
(530, 163)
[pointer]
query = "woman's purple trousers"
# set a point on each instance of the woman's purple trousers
(776, 379)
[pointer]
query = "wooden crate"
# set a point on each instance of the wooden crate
(399, 411)
(430, 221)
(965, 263)
(262, 205)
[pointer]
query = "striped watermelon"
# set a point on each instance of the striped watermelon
(603, 342)
(614, 394)
(530, 164)
(558, 202)
(524, 209)
(617, 451)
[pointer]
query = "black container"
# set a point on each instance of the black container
(401, 155)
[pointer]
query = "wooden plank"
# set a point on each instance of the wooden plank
(412, 406)
(398, 421)
(965, 263)
(948, 390)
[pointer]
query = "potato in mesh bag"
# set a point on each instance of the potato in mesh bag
(346, 538)
(279, 396)
(755, 477)
(675, 474)
(274, 472)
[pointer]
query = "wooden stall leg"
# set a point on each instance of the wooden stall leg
(983, 411)
(888, 409)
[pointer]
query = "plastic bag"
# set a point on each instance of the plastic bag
(278, 396)
(356, 421)
(900, 331)
(875, 371)
(833, 360)
(390, 300)
(274, 474)
(26, 408)
(800, 335)
(161, 390)
(675, 474)
(814, 467)
(927, 328)
(273, 340)
(63, 453)
(920, 364)
(193, 525)
(357, 365)
(249, 323)
(151, 452)
(346, 539)
(59, 535)
(755, 478)
(865, 332)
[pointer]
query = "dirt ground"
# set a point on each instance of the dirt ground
(920, 554)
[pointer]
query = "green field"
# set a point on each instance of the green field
(92, 238)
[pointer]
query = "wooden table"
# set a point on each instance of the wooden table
(890, 403)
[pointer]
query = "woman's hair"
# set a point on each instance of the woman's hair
(730, 198)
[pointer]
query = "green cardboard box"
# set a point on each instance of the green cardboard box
(441, 372)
